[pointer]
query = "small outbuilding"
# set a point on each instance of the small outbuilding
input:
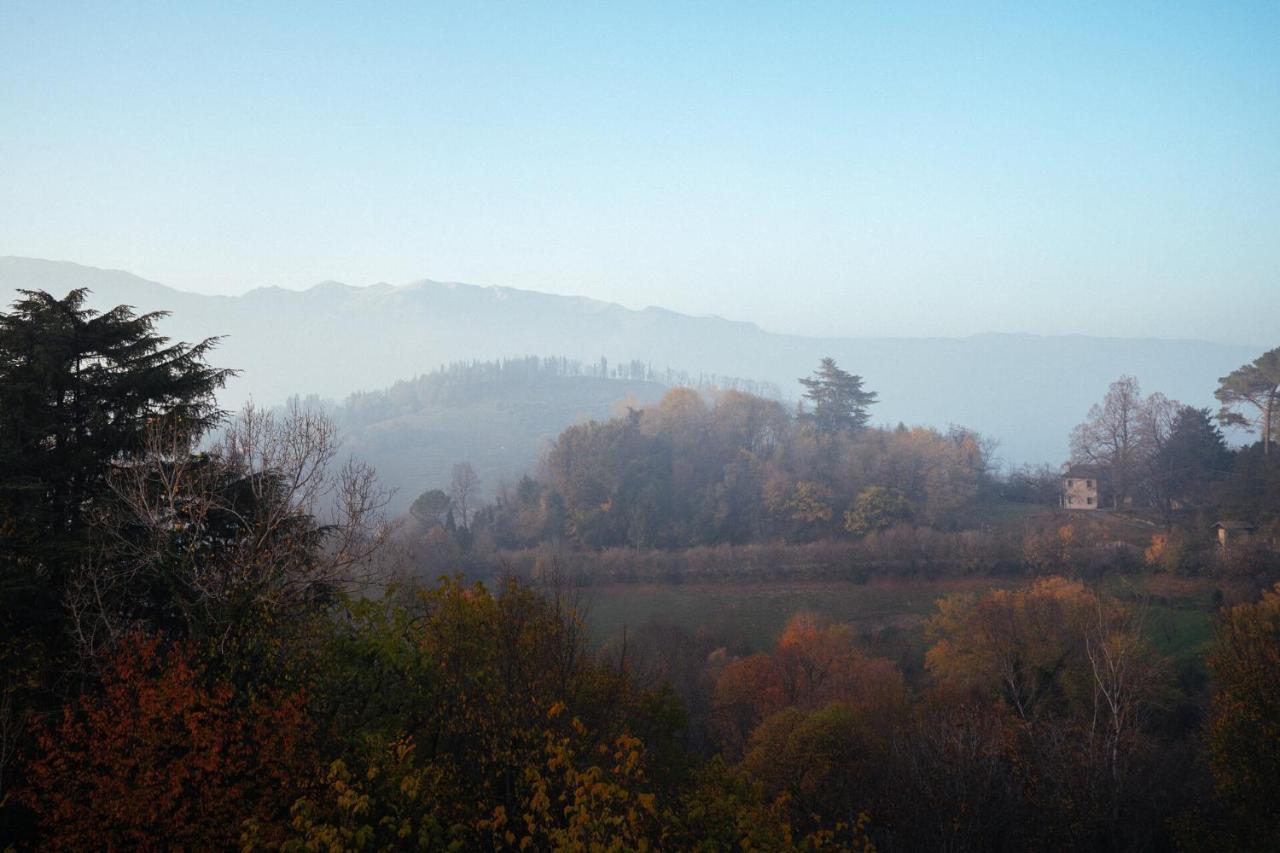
(1232, 532)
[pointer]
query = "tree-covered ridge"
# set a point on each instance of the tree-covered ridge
(1020, 389)
(499, 416)
(462, 382)
(731, 467)
(696, 470)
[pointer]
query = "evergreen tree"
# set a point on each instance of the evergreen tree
(1192, 459)
(1255, 389)
(78, 392)
(839, 403)
(430, 507)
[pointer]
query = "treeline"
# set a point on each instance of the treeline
(1158, 459)
(1156, 454)
(734, 468)
(697, 471)
(464, 381)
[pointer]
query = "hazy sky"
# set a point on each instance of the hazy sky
(824, 169)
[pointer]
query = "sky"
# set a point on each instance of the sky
(824, 169)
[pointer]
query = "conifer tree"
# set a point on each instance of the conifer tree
(1254, 388)
(839, 402)
(78, 391)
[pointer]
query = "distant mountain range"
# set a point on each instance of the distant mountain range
(334, 339)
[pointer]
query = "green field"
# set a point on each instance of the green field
(753, 614)
(888, 614)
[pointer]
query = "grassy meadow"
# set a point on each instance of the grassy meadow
(888, 614)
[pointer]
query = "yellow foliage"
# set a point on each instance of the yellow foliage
(1155, 551)
(1020, 645)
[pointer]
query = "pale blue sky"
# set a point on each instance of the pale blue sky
(816, 168)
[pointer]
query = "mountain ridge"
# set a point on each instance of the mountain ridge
(334, 339)
(382, 288)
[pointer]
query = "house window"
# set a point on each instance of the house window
(1070, 483)
(1089, 501)
(1088, 484)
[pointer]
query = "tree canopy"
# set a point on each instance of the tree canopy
(1250, 395)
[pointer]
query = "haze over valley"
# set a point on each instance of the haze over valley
(334, 339)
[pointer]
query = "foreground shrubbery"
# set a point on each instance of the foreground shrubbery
(442, 717)
(453, 716)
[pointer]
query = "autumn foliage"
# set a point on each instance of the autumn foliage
(164, 757)
(815, 663)
(1244, 735)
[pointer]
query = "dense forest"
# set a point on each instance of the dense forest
(213, 634)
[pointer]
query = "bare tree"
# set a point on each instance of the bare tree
(1156, 418)
(1111, 438)
(1125, 676)
(1156, 421)
(266, 520)
(462, 490)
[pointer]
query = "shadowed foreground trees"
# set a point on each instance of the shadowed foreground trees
(259, 530)
(1046, 722)
(1244, 735)
(434, 718)
(456, 715)
(1079, 686)
(164, 756)
(79, 392)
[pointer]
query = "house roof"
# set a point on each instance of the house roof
(1235, 525)
(1088, 472)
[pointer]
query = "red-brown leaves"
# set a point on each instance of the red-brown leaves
(162, 758)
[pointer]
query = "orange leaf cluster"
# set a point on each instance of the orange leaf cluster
(162, 758)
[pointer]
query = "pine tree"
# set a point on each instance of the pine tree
(839, 403)
(1253, 388)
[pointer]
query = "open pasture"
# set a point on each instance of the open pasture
(888, 613)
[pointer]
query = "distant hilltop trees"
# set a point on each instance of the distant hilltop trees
(460, 381)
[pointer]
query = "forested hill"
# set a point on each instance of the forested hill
(333, 340)
(498, 416)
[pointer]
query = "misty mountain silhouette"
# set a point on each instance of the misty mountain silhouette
(334, 339)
